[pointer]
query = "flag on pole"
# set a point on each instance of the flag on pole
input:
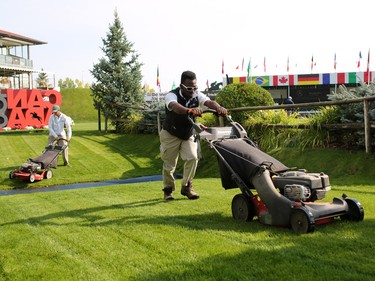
(264, 64)
(144, 88)
(287, 65)
(243, 61)
(222, 67)
(359, 60)
(248, 70)
(237, 67)
(312, 62)
(158, 79)
(334, 62)
(207, 84)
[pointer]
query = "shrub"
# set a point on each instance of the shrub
(242, 95)
(132, 124)
(208, 119)
(270, 137)
(149, 122)
(353, 113)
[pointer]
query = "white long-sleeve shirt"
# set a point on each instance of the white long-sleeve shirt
(56, 126)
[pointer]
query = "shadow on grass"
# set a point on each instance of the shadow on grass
(91, 217)
(86, 214)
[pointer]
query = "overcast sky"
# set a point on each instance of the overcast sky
(198, 35)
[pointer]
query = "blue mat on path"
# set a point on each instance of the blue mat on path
(81, 185)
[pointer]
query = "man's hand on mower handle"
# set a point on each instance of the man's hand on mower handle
(195, 112)
(222, 111)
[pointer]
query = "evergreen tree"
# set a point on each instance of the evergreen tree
(118, 77)
(42, 80)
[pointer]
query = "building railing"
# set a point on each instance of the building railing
(15, 61)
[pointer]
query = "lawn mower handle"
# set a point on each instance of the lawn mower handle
(60, 139)
(200, 127)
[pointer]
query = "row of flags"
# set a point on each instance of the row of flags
(265, 67)
(287, 67)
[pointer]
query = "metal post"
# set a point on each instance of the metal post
(367, 126)
(158, 120)
(221, 121)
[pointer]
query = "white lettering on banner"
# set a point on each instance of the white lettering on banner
(3, 108)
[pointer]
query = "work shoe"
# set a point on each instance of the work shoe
(168, 193)
(189, 192)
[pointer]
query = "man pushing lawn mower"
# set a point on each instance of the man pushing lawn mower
(274, 193)
(176, 136)
(57, 123)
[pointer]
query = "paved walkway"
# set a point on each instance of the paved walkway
(80, 185)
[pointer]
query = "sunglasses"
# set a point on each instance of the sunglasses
(190, 88)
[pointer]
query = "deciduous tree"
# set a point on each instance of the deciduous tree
(67, 83)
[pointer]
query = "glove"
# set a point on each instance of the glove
(194, 112)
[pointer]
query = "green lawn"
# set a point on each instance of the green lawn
(127, 232)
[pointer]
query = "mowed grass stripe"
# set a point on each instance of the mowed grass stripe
(88, 149)
(16, 149)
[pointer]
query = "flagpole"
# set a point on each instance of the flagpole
(368, 67)
(334, 64)
(248, 77)
(288, 90)
(158, 82)
(251, 74)
(222, 72)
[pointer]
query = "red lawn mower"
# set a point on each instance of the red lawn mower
(39, 168)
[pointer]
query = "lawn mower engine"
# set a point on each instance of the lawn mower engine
(302, 186)
(30, 167)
